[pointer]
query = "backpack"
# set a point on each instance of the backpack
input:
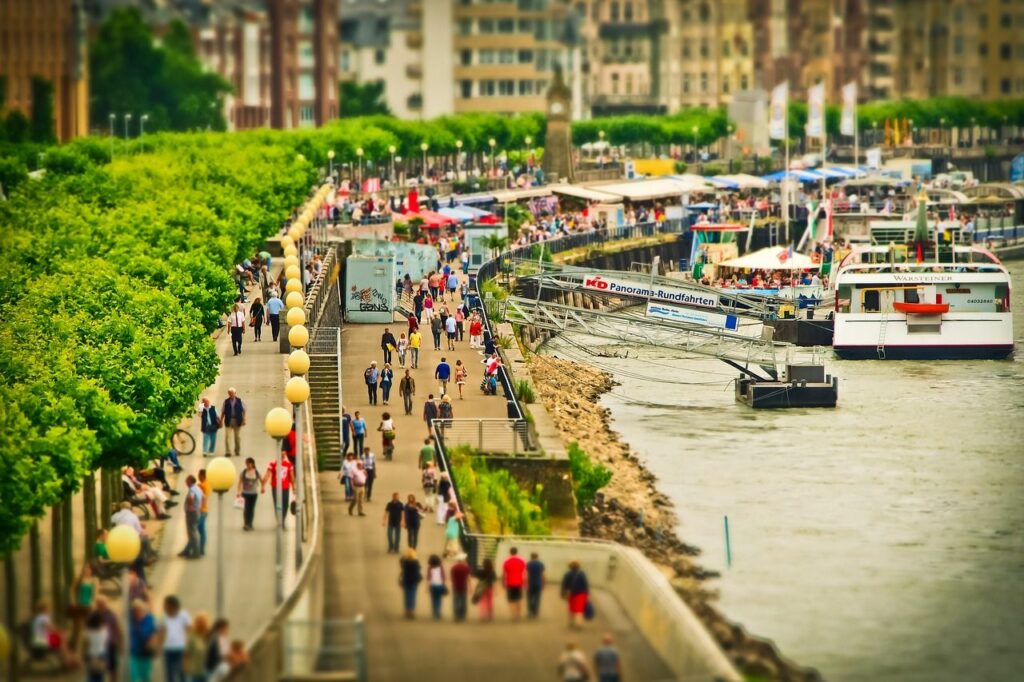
(368, 375)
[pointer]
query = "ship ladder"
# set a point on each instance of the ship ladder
(883, 325)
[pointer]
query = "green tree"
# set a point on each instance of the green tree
(362, 99)
(17, 127)
(130, 73)
(42, 122)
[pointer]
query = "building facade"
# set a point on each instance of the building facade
(1001, 48)
(303, 62)
(46, 38)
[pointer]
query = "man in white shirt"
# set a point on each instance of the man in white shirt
(236, 321)
(174, 632)
(126, 517)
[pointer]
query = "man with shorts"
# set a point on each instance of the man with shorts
(513, 576)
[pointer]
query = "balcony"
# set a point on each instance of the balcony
(414, 71)
(645, 29)
(414, 40)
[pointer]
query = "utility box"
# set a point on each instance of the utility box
(370, 289)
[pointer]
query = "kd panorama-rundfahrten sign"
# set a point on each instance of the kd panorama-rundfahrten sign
(679, 295)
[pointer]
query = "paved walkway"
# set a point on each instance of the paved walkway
(362, 576)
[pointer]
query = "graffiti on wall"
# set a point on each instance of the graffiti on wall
(369, 300)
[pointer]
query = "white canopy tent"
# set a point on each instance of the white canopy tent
(771, 258)
(659, 188)
(587, 193)
(746, 181)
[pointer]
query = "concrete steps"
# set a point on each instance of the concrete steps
(325, 400)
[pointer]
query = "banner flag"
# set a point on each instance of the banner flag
(816, 111)
(778, 116)
(847, 124)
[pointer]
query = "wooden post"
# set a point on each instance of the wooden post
(11, 580)
(89, 505)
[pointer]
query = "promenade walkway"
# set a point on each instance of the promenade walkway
(362, 578)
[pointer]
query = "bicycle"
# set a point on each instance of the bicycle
(183, 441)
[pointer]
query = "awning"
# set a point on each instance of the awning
(660, 188)
(745, 181)
(505, 196)
(586, 193)
(833, 173)
(475, 199)
(801, 175)
(722, 181)
(771, 258)
(458, 214)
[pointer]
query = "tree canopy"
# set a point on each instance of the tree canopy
(362, 99)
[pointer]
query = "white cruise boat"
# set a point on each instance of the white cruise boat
(889, 307)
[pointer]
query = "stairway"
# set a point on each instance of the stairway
(883, 324)
(325, 402)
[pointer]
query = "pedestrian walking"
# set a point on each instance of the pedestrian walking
(232, 416)
(428, 308)
(443, 372)
(250, 483)
(426, 455)
(174, 635)
(476, 331)
(434, 279)
(143, 642)
(429, 411)
(483, 595)
(209, 424)
(445, 497)
(114, 635)
(444, 410)
(196, 643)
(460, 377)
(256, 315)
(387, 435)
(387, 378)
(460, 321)
(388, 344)
(204, 509)
(452, 530)
(370, 464)
(436, 327)
(403, 350)
(281, 476)
(348, 469)
(415, 340)
(359, 488)
(274, 307)
(437, 584)
(407, 389)
(607, 662)
(572, 664)
(218, 650)
(414, 323)
(428, 477)
(371, 375)
(452, 331)
(464, 257)
(576, 592)
(413, 516)
(410, 577)
(236, 325)
(97, 646)
(358, 434)
(534, 585)
(417, 302)
(346, 430)
(394, 511)
(459, 574)
(193, 502)
(513, 577)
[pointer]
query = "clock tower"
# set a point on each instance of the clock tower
(558, 138)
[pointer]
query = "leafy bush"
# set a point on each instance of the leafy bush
(587, 477)
(493, 497)
(525, 392)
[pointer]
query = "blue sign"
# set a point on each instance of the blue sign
(1017, 168)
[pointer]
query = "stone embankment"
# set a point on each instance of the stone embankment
(632, 511)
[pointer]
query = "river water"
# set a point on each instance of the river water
(882, 540)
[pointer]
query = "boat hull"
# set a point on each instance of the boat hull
(981, 352)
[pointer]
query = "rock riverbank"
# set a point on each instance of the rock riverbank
(632, 511)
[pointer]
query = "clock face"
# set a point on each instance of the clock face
(557, 108)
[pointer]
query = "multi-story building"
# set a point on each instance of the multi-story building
(303, 62)
(46, 38)
(1001, 48)
(937, 48)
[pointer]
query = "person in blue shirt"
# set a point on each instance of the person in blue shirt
(358, 434)
(346, 431)
(143, 645)
(453, 284)
(443, 373)
(534, 585)
(274, 307)
(371, 376)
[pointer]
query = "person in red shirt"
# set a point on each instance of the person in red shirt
(280, 475)
(476, 332)
(459, 575)
(513, 576)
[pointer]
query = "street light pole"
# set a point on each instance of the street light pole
(391, 150)
(112, 117)
(142, 131)
(491, 142)
(458, 159)
(123, 547)
(359, 153)
(278, 424)
(220, 474)
(424, 147)
(127, 119)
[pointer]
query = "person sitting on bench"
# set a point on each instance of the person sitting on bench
(153, 496)
(47, 639)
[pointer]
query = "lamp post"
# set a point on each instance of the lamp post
(695, 130)
(942, 130)
(127, 120)
(330, 164)
(910, 132)
(359, 155)
(874, 133)
(490, 143)
(600, 151)
(123, 547)
(424, 147)
(529, 143)
(397, 163)
(973, 124)
(297, 392)
(220, 474)
(112, 117)
(278, 424)
(458, 159)
(391, 150)
(142, 131)
(1005, 134)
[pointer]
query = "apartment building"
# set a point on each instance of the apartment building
(46, 38)
(304, 62)
(1000, 24)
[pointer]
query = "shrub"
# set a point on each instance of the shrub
(496, 501)
(525, 392)
(587, 477)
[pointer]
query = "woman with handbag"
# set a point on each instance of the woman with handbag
(436, 584)
(387, 378)
(256, 315)
(483, 595)
(249, 485)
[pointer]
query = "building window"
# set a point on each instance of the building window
(379, 56)
(506, 56)
(686, 48)
(983, 21)
(983, 49)
(744, 82)
(414, 101)
(1004, 86)
(307, 86)
(704, 47)
(465, 27)
(525, 87)
(613, 13)
(725, 85)
(744, 48)
(506, 25)
(726, 49)
(686, 83)
(615, 84)
(466, 57)
(466, 87)
(526, 26)
(506, 87)
(703, 82)
(627, 11)
(346, 60)
(486, 56)
(486, 26)
(525, 56)
(704, 13)
(1004, 51)
(307, 116)
(488, 88)
(1006, 21)
(305, 19)
(306, 57)
(958, 76)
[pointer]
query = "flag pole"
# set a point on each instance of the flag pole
(785, 184)
(856, 138)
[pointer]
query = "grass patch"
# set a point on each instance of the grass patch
(587, 477)
(525, 392)
(495, 499)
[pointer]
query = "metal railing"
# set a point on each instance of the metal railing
(322, 292)
(312, 647)
(504, 437)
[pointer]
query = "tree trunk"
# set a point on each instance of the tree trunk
(68, 539)
(11, 580)
(36, 556)
(89, 504)
(56, 561)
(106, 503)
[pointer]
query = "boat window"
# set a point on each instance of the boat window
(910, 296)
(871, 301)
